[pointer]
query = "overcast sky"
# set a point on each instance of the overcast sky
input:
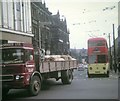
(86, 19)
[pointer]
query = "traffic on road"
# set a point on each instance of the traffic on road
(82, 87)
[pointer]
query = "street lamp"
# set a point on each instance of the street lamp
(115, 64)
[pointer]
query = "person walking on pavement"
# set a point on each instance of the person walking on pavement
(118, 66)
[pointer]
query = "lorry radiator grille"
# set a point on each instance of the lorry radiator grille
(7, 78)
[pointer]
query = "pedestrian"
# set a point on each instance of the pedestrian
(118, 67)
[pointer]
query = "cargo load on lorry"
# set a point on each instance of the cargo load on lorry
(24, 66)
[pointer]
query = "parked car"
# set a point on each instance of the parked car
(86, 66)
(81, 67)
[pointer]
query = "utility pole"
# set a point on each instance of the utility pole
(115, 64)
(110, 55)
(110, 59)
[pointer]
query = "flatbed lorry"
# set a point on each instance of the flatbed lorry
(24, 66)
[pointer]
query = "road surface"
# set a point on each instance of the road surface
(82, 87)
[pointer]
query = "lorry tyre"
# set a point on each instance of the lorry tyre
(67, 76)
(35, 86)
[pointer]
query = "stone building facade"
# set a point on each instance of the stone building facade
(50, 31)
(15, 21)
(60, 35)
(40, 22)
(26, 21)
(119, 31)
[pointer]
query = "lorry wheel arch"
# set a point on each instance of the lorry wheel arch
(36, 73)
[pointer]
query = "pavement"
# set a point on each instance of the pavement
(112, 72)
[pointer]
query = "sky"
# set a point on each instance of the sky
(86, 19)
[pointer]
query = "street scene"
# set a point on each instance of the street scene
(52, 49)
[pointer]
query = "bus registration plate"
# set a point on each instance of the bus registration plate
(97, 71)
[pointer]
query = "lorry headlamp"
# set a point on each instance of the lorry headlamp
(19, 77)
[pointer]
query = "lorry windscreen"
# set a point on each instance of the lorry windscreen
(12, 55)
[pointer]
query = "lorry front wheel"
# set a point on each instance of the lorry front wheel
(35, 86)
(67, 76)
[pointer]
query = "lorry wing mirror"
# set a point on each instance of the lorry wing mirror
(42, 54)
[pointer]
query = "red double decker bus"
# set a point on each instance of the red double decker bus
(98, 57)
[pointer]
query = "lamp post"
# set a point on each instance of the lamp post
(110, 56)
(110, 59)
(115, 64)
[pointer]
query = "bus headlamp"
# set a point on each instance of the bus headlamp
(90, 68)
(104, 68)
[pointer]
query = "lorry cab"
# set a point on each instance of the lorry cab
(17, 64)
